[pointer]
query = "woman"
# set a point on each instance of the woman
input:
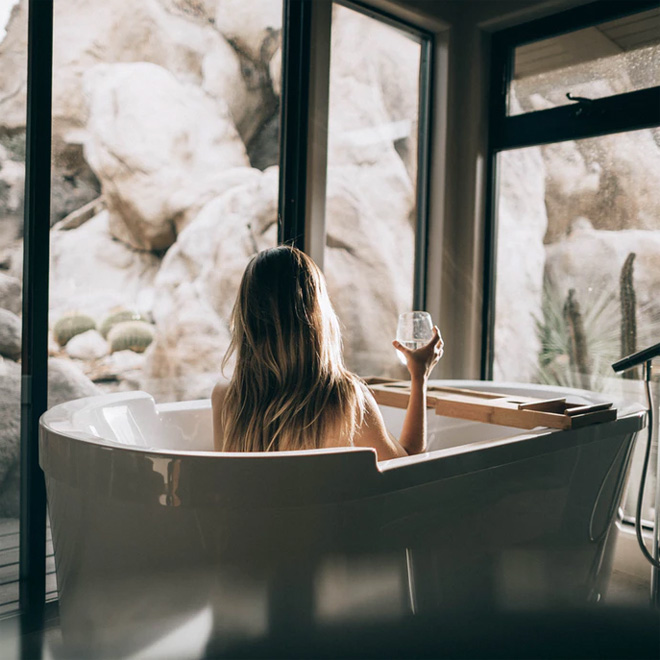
(290, 389)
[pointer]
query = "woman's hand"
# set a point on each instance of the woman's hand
(421, 361)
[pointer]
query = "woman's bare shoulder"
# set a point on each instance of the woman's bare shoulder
(219, 392)
(373, 433)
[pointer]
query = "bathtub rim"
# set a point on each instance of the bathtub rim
(70, 465)
(633, 420)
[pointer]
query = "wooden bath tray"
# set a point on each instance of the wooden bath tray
(496, 408)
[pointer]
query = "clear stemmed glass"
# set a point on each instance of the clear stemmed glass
(414, 330)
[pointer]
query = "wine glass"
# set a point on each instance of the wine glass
(414, 330)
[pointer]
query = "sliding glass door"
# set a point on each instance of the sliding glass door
(13, 62)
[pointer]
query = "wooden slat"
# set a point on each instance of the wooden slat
(461, 390)
(9, 566)
(8, 593)
(8, 574)
(9, 526)
(8, 542)
(546, 405)
(578, 421)
(494, 412)
(580, 410)
(9, 557)
(9, 606)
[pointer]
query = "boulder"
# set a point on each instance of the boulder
(154, 142)
(10, 334)
(275, 71)
(253, 28)
(374, 93)
(522, 224)
(93, 273)
(13, 55)
(370, 208)
(590, 261)
(607, 179)
(368, 287)
(65, 383)
(73, 183)
(10, 433)
(197, 285)
(244, 85)
(161, 32)
(88, 345)
(11, 297)
(12, 187)
(86, 34)
(120, 365)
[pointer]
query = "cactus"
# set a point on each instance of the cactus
(628, 313)
(131, 336)
(578, 353)
(118, 316)
(70, 325)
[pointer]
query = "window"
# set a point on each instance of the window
(371, 215)
(609, 58)
(164, 184)
(577, 213)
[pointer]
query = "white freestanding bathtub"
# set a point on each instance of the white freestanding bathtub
(150, 526)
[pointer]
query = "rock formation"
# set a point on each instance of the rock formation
(65, 383)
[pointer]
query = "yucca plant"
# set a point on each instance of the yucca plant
(601, 322)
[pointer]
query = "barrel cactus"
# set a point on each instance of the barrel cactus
(131, 336)
(70, 325)
(118, 316)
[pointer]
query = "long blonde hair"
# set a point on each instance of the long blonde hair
(289, 389)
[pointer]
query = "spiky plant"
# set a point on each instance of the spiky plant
(131, 336)
(600, 316)
(70, 325)
(118, 316)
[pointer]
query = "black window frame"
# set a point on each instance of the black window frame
(613, 114)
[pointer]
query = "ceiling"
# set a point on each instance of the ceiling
(622, 35)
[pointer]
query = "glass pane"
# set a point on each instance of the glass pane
(371, 183)
(578, 267)
(610, 58)
(165, 183)
(13, 64)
